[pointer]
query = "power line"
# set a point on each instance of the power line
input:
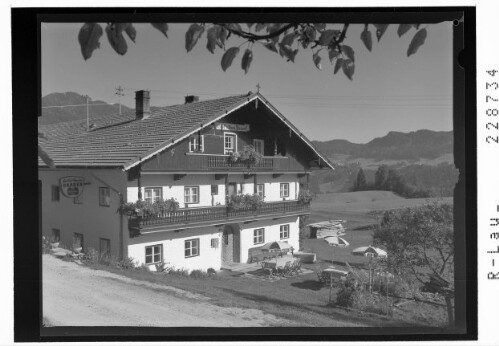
(83, 104)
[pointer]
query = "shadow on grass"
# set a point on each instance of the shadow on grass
(313, 285)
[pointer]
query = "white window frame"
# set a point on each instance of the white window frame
(194, 146)
(284, 231)
(154, 196)
(191, 247)
(258, 236)
(281, 190)
(156, 250)
(260, 193)
(104, 199)
(262, 142)
(234, 136)
(188, 195)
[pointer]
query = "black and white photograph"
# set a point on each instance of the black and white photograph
(279, 171)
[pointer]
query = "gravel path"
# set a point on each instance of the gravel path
(74, 295)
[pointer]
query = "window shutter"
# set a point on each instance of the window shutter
(201, 145)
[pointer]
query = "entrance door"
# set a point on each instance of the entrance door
(228, 245)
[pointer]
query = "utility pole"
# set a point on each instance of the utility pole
(119, 92)
(88, 120)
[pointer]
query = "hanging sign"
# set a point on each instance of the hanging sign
(72, 187)
(233, 127)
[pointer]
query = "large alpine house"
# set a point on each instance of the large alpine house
(229, 173)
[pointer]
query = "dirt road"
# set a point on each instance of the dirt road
(74, 295)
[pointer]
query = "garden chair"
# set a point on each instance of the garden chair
(284, 271)
(270, 268)
(297, 268)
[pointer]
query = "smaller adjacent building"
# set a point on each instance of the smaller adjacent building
(199, 154)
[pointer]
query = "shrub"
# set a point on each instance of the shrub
(160, 267)
(91, 255)
(198, 274)
(126, 263)
(143, 267)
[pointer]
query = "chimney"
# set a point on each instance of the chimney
(142, 110)
(191, 99)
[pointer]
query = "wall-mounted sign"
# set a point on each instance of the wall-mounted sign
(233, 127)
(72, 187)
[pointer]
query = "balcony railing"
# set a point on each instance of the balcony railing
(219, 213)
(223, 162)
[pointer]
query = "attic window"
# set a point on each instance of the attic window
(196, 144)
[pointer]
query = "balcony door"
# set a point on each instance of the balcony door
(232, 189)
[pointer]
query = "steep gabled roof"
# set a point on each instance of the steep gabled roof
(122, 141)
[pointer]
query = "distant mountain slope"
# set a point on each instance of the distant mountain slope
(421, 144)
(63, 114)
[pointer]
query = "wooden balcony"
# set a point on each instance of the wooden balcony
(266, 163)
(216, 215)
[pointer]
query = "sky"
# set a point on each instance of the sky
(389, 91)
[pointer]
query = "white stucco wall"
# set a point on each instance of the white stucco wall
(272, 233)
(175, 189)
(174, 246)
(88, 218)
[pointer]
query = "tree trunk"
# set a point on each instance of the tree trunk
(450, 311)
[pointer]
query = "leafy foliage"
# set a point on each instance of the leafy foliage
(420, 242)
(244, 201)
(88, 38)
(146, 208)
(286, 39)
(248, 156)
(416, 42)
(305, 196)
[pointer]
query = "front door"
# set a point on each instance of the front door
(227, 245)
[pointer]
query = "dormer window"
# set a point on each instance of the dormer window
(196, 144)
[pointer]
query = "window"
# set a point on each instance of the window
(77, 240)
(77, 200)
(260, 190)
(284, 191)
(214, 189)
(259, 236)
(55, 237)
(154, 254)
(284, 232)
(55, 193)
(152, 194)
(229, 143)
(104, 196)
(196, 143)
(104, 247)
(192, 247)
(191, 194)
(258, 144)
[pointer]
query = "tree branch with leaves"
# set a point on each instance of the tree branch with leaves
(285, 39)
